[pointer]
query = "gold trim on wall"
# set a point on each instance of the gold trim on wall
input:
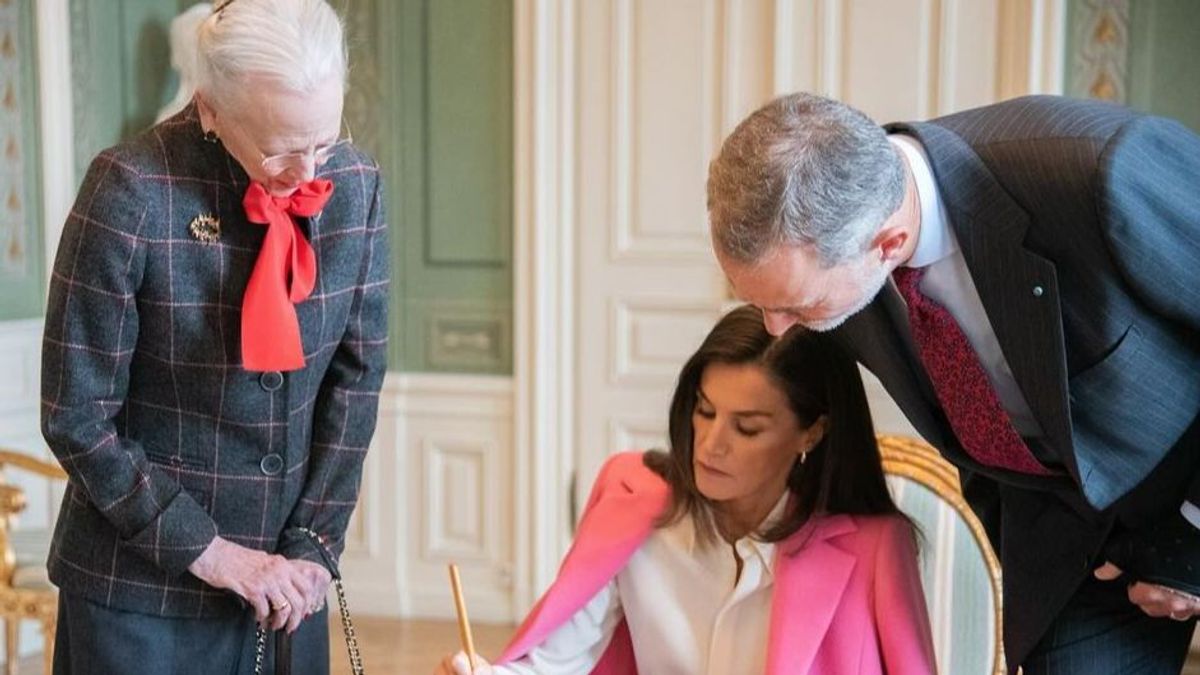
(1101, 58)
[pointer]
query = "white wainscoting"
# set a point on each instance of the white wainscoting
(20, 358)
(437, 488)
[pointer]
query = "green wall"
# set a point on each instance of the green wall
(1157, 46)
(1164, 56)
(439, 75)
(121, 69)
(430, 97)
(21, 252)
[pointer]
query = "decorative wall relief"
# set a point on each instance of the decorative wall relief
(14, 219)
(1100, 59)
(20, 212)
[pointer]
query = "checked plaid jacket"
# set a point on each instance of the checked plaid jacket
(168, 441)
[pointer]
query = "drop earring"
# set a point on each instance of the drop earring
(210, 136)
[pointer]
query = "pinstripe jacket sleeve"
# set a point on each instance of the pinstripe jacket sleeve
(90, 336)
(346, 407)
(1150, 209)
(1150, 172)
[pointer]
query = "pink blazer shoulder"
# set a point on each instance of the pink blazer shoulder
(847, 595)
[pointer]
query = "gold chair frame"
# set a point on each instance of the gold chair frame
(918, 461)
(17, 604)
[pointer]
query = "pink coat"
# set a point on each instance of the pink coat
(847, 596)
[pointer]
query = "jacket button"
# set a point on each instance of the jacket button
(271, 380)
(271, 465)
(1038, 291)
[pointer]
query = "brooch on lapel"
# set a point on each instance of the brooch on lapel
(206, 228)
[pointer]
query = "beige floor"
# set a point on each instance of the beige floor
(391, 647)
(388, 646)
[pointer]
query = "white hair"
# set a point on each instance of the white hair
(297, 44)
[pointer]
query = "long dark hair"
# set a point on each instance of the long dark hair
(843, 473)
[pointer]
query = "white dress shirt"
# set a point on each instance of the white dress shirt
(689, 613)
(947, 281)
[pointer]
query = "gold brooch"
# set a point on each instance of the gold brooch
(205, 228)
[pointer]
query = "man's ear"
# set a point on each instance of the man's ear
(890, 241)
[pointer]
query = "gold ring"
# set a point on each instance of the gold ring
(1181, 617)
(281, 606)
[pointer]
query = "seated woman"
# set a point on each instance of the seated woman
(764, 541)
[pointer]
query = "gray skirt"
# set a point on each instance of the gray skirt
(95, 640)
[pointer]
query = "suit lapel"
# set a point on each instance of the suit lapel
(990, 228)
(878, 337)
(811, 574)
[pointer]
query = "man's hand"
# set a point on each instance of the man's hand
(280, 590)
(1153, 599)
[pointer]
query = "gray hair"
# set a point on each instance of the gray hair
(298, 44)
(803, 170)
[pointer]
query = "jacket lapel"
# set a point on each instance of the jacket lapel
(811, 574)
(877, 336)
(990, 228)
(611, 530)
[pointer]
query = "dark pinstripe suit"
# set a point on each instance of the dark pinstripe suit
(167, 440)
(1098, 209)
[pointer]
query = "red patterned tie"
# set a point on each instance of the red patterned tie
(975, 413)
(284, 275)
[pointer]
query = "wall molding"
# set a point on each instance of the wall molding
(57, 121)
(407, 526)
(20, 357)
(545, 220)
(1030, 47)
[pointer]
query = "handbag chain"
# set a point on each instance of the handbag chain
(356, 666)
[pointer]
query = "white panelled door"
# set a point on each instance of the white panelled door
(660, 83)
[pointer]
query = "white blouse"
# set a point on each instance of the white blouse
(688, 611)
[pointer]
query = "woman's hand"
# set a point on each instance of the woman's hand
(457, 665)
(317, 579)
(279, 590)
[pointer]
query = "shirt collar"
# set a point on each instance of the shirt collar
(765, 550)
(748, 545)
(936, 240)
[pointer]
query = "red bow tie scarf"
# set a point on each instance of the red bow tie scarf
(284, 275)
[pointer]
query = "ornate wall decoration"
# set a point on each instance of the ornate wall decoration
(1101, 56)
(18, 217)
(363, 96)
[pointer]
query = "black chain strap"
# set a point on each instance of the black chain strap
(356, 666)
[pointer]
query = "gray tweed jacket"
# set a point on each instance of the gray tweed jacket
(167, 440)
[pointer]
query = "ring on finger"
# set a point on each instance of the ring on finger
(1180, 616)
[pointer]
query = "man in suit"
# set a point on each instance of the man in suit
(214, 348)
(1024, 279)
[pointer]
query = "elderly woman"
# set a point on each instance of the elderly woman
(214, 347)
(763, 541)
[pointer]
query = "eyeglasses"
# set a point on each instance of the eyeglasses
(275, 165)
